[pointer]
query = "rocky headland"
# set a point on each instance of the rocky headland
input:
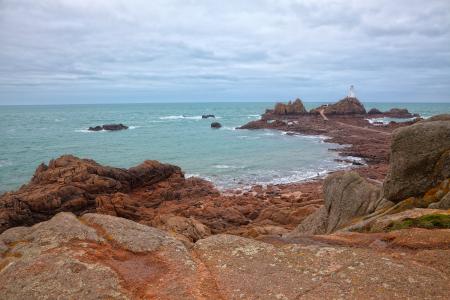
(380, 231)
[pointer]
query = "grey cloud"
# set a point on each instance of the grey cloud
(235, 48)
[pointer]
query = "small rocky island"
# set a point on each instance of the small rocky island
(109, 127)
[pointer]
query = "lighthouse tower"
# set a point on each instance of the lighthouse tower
(351, 92)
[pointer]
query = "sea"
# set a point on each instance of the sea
(173, 133)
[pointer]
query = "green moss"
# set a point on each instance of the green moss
(428, 221)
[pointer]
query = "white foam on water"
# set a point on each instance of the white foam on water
(89, 131)
(181, 117)
(228, 128)
(5, 163)
(228, 167)
(387, 120)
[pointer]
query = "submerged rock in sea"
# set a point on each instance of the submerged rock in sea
(419, 159)
(109, 127)
(216, 125)
(208, 116)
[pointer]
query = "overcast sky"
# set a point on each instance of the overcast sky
(94, 51)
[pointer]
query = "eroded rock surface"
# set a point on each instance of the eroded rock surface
(105, 257)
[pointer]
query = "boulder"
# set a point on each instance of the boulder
(346, 106)
(347, 196)
(419, 159)
(109, 127)
(216, 125)
(291, 108)
(208, 116)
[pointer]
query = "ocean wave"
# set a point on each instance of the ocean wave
(387, 120)
(178, 117)
(228, 167)
(88, 131)
(134, 127)
(248, 137)
(228, 128)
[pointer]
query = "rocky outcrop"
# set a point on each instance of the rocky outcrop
(419, 159)
(399, 113)
(392, 113)
(346, 106)
(81, 185)
(216, 125)
(104, 257)
(208, 116)
(158, 195)
(291, 108)
(109, 127)
(347, 196)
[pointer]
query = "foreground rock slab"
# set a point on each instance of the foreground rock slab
(105, 257)
(97, 257)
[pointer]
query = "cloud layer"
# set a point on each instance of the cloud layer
(173, 50)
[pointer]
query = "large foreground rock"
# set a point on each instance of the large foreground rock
(97, 257)
(105, 257)
(347, 196)
(419, 159)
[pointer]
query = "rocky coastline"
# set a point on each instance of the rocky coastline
(380, 231)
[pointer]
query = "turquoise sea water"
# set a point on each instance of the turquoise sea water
(172, 133)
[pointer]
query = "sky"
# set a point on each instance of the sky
(119, 51)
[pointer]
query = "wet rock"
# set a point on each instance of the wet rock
(208, 116)
(216, 125)
(419, 159)
(109, 127)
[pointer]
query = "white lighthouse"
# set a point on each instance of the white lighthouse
(351, 92)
